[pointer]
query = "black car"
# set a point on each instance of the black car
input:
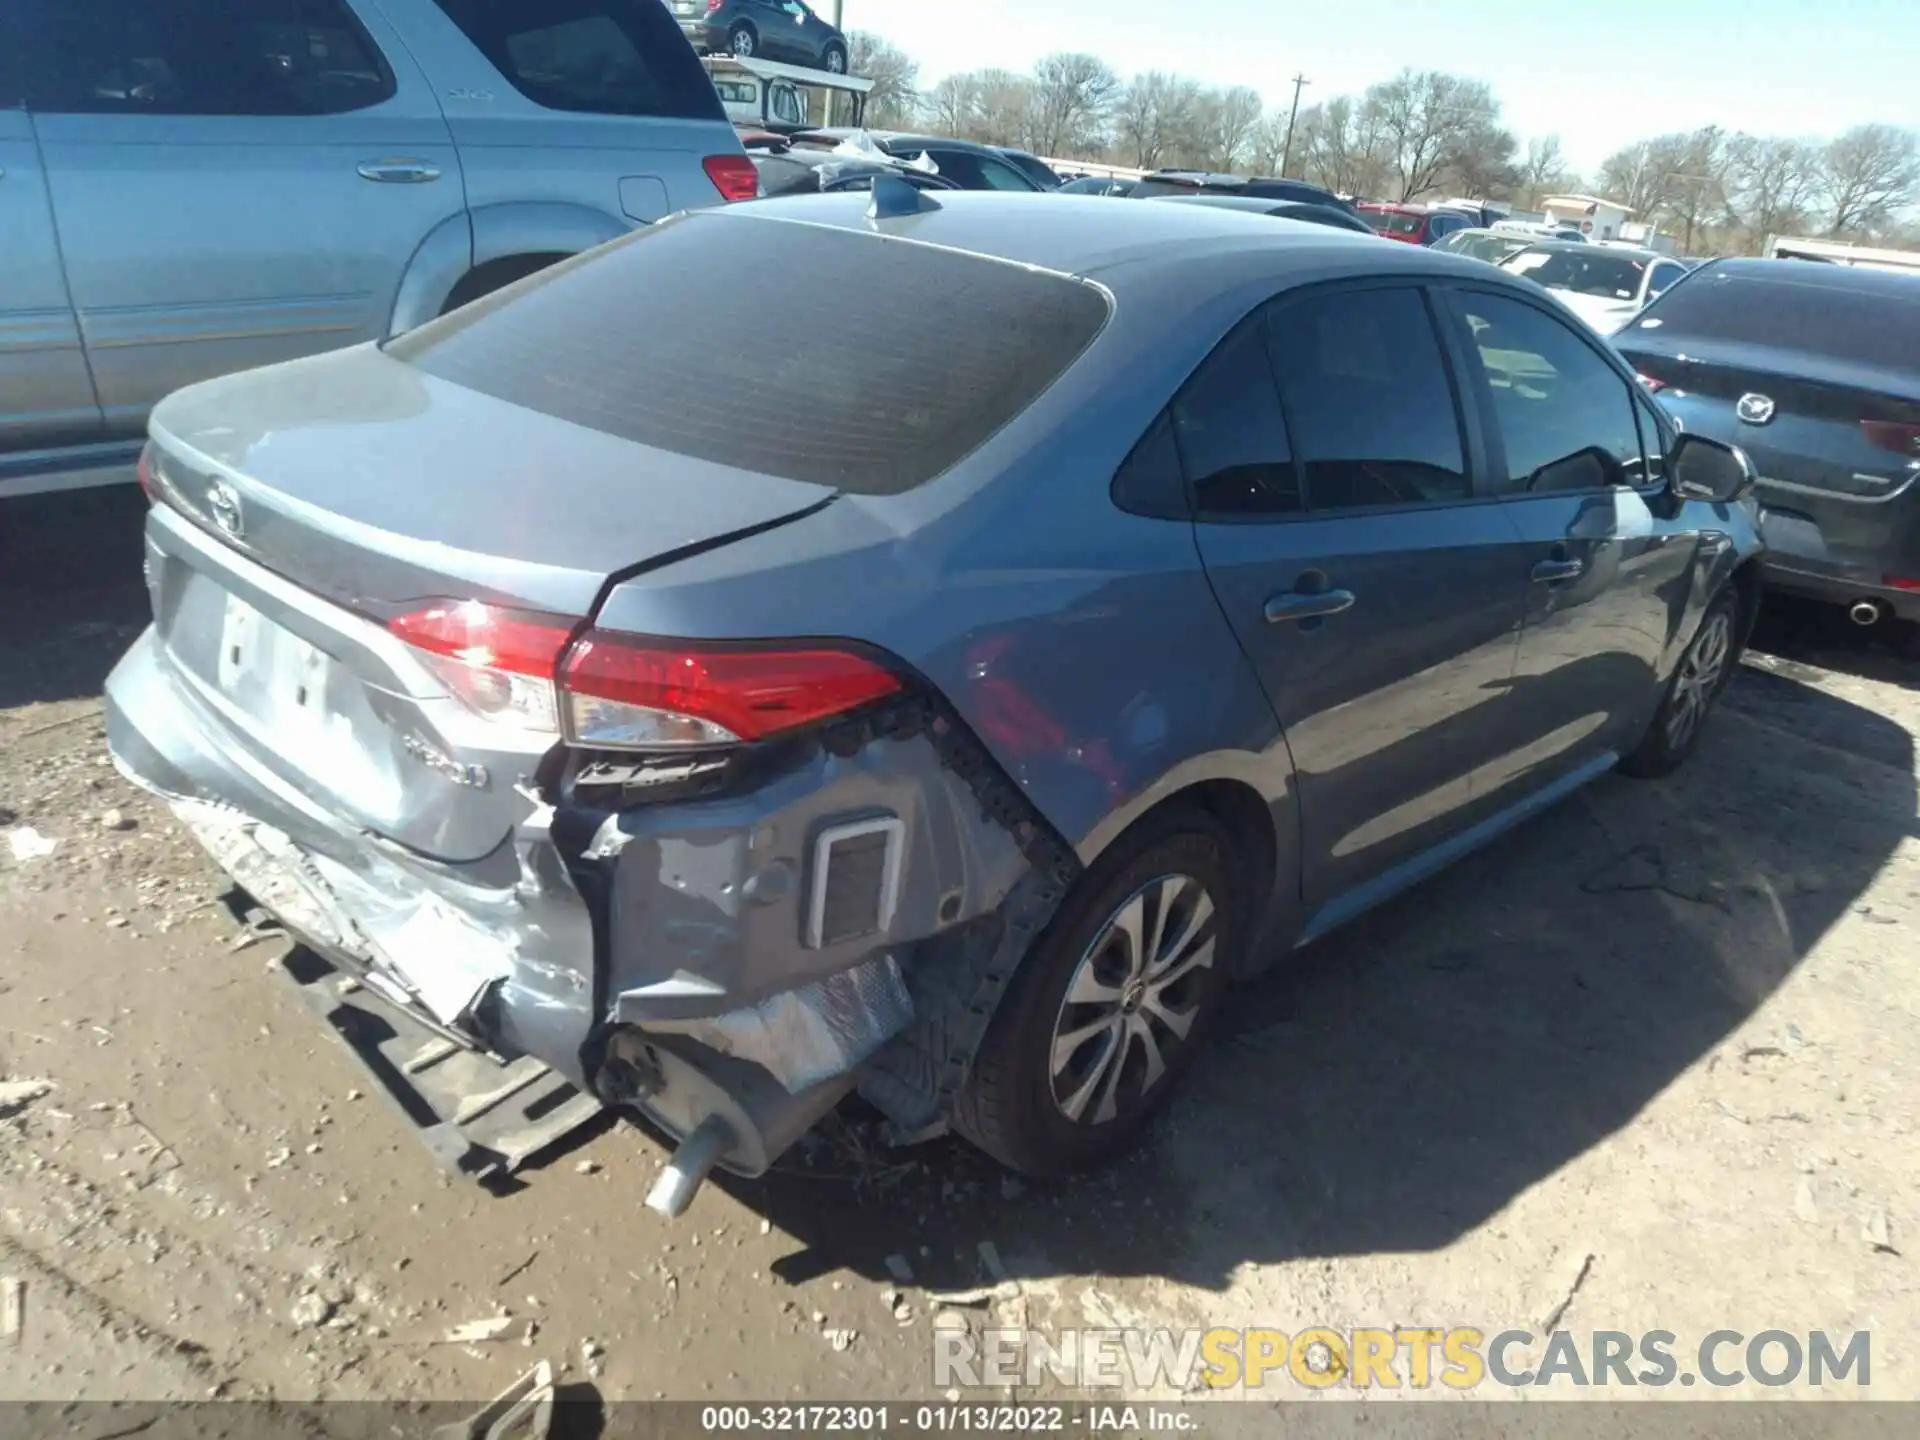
(967, 165)
(1098, 185)
(783, 30)
(1313, 214)
(1032, 166)
(823, 172)
(1201, 182)
(1814, 371)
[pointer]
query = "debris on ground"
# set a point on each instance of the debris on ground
(28, 845)
(1878, 1233)
(1559, 1310)
(18, 1094)
(587, 1167)
(13, 1310)
(492, 1327)
(523, 1411)
(115, 820)
(839, 1339)
(310, 1311)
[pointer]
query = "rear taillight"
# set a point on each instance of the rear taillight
(629, 693)
(500, 663)
(1894, 435)
(733, 176)
(1903, 582)
(713, 5)
(143, 472)
(613, 691)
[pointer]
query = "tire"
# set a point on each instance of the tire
(1046, 1106)
(834, 57)
(742, 42)
(1703, 672)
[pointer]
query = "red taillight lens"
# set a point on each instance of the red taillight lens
(618, 691)
(733, 176)
(713, 5)
(143, 472)
(633, 693)
(1903, 582)
(499, 662)
(1894, 435)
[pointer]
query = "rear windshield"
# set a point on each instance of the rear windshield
(812, 353)
(1393, 222)
(1878, 326)
(606, 57)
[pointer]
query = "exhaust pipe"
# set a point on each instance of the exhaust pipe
(1865, 612)
(684, 1174)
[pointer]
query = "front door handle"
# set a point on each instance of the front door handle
(1548, 570)
(1294, 605)
(399, 172)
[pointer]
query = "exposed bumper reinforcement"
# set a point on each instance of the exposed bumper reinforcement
(479, 1115)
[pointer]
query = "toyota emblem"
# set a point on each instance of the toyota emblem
(1755, 409)
(224, 502)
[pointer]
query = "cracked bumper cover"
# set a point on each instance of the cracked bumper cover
(662, 957)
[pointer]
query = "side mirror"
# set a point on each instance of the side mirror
(1703, 469)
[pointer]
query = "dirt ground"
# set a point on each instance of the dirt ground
(1650, 1062)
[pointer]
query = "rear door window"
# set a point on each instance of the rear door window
(1368, 400)
(692, 336)
(1231, 437)
(200, 57)
(604, 57)
(1877, 326)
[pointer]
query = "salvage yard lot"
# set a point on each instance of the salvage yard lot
(1650, 1060)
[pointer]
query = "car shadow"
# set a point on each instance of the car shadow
(72, 592)
(1411, 1075)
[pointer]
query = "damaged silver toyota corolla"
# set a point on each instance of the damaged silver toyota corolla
(838, 642)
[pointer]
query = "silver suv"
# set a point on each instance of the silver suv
(194, 187)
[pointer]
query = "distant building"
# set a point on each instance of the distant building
(1595, 218)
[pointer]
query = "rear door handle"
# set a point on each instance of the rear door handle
(1294, 605)
(1548, 570)
(399, 172)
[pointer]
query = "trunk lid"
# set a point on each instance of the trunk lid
(304, 506)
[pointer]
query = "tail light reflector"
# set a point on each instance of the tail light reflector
(734, 176)
(143, 472)
(614, 691)
(1903, 582)
(713, 5)
(1894, 435)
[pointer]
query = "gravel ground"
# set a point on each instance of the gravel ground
(1649, 1062)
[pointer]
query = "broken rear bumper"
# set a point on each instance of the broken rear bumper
(701, 962)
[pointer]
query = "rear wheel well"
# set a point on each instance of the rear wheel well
(486, 278)
(1248, 819)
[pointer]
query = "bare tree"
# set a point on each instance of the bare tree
(1772, 185)
(1268, 147)
(1224, 126)
(1073, 97)
(1543, 171)
(1869, 174)
(1430, 121)
(1140, 118)
(1679, 178)
(952, 106)
(894, 99)
(1005, 115)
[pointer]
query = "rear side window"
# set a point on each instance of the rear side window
(1368, 400)
(1880, 326)
(200, 57)
(1231, 437)
(604, 57)
(891, 362)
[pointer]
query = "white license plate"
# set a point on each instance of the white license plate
(273, 674)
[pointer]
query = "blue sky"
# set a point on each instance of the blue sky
(1598, 73)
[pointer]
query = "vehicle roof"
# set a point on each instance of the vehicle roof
(1252, 204)
(1409, 207)
(1858, 279)
(903, 137)
(1134, 249)
(1588, 247)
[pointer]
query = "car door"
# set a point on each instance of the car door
(1330, 462)
(46, 395)
(236, 182)
(1605, 551)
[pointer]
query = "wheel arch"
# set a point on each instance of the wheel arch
(464, 244)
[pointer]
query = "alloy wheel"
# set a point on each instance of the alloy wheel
(1133, 999)
(1699, 678)
(743, 44)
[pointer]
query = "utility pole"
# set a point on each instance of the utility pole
(1286, 158)
(836, 14)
